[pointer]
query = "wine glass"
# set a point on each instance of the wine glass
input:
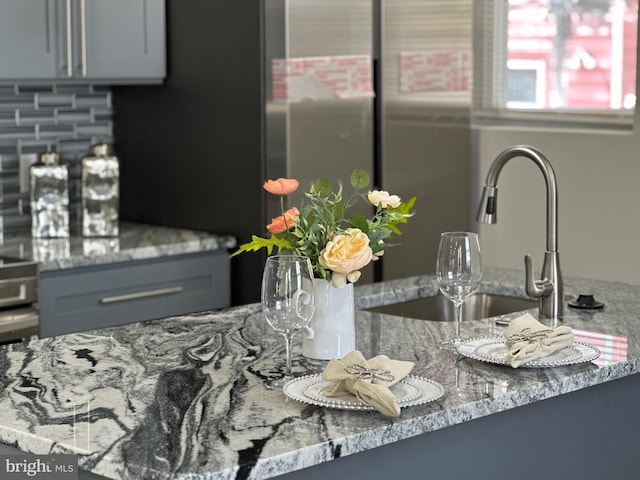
(458, 273)
(287, 300)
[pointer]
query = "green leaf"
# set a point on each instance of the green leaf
(358, 220)
(322, 187)
(404, 207)
(359, 179)
(257, 243)
(380, 234)
(339, 211)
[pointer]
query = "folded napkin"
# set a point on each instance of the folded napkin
(368, 380)
(528, 339)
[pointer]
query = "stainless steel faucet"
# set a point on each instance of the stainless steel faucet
(548, 289)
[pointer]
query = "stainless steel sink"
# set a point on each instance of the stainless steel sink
(439, 308)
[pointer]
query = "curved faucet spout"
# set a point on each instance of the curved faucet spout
(549, 288)
(487, 211)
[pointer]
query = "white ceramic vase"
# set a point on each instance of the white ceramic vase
(331, 332)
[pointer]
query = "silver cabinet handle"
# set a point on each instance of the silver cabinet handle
(83, 39)
(20, 296)
(19, 319)
(68, 40)
(137, 295)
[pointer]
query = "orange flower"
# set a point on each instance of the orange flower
(281, 186)
(282, 223)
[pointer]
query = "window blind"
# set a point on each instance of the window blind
(490, 89)
(426, 26)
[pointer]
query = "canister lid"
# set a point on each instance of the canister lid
(50, 158)
(102, 149)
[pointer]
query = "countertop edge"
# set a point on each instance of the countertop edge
(136, 241)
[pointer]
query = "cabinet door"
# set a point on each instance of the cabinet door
(101, 41)
(28, 47)
(121, 39)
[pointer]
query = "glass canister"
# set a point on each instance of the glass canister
(100, 192)
(49, 185)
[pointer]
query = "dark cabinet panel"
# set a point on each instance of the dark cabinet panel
(191, 149)
(108, 295)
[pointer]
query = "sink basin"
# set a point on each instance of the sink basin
(440, 308)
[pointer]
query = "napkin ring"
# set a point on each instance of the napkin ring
(526, 336)
(365, 373)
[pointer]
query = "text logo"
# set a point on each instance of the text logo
(50, 467)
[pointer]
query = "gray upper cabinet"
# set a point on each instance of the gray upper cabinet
(97, 41)
(27, 41)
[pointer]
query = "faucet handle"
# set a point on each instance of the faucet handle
(535, 289)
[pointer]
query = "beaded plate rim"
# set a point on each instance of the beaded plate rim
(469, 348)
(295, 389)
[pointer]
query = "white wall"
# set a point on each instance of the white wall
(598, 178)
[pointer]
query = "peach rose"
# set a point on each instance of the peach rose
(345, 254)
(284, 222)
(281, 186)
(380, 197)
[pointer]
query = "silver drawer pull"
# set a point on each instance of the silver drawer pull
(83, 39)
(68, 39)
(19, 294)
(148, 293)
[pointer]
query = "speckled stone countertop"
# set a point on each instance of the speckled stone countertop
(135, 242)
(184, 397)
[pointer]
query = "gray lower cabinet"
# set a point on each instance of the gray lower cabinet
(97, 41)
(88, 298)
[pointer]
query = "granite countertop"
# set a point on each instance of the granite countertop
(184, 397)
(136, 242)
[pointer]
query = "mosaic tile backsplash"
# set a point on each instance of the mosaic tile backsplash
(33, 119)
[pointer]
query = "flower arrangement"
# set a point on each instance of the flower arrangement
(338, 247)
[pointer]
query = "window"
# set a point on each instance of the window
(555, 61)
(526, 83)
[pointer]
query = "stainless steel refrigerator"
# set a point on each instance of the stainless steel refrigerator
(301, 88)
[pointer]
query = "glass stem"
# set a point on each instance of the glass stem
(287, 344)
(458, 307)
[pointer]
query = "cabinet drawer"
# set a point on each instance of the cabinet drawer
(105, 296)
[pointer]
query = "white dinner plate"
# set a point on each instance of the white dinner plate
(494, 350)
(409, 391)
